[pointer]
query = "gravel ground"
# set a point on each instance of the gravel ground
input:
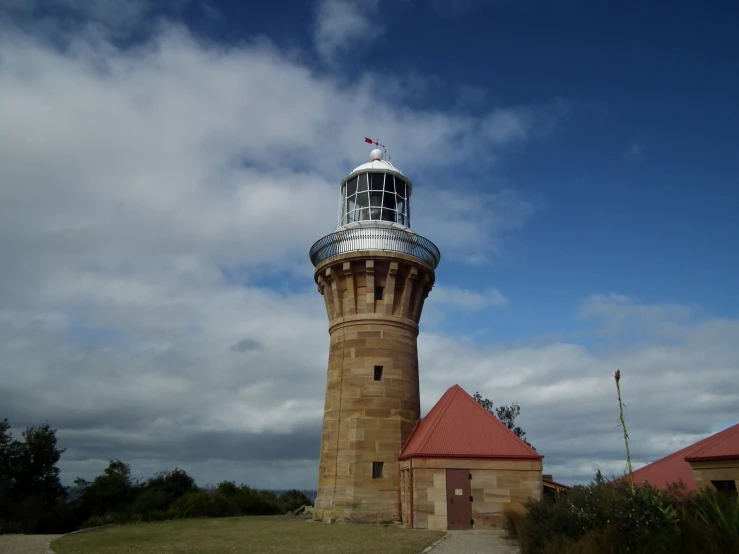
(26, 544)
(476, 542)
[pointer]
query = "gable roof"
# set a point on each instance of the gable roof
(676, 466)
(721, 446)
(459, 427)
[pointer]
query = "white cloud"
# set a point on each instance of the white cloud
(153, 201)
(151, 195)
(467, 299)
(345, 25)
(677, 385)
(508, 125)
(617, 312)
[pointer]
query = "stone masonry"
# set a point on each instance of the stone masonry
(374, 301)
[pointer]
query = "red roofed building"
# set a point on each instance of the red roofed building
(462, 466)
(712, 462)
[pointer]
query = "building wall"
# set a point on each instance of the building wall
(368, 421)
(719, 470)
(405, 505)
(496, 484)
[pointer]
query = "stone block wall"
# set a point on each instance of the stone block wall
(496, 484)
(717, 470)
(367, 420)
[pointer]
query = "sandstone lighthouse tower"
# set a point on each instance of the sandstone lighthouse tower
(374, 273)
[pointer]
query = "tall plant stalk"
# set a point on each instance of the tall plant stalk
(626, 433)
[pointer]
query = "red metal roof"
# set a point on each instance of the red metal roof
(458, 427)
(675, 467)
(722, 446)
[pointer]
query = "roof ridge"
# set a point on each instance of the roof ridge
(499, 422)
(435, 423)
(718, 439)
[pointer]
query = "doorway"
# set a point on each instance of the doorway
(458, 503)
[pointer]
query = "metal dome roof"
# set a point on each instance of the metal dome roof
(375, 165)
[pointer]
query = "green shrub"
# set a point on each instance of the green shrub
(713, 519)
(194, 504)
(601, 514)
(173, 485)
(291, 500)
(150, 500)
(610, 519)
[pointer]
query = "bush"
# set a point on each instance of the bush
(292, 500)
(150, 501)
(514, 522)
(194, 504)
(33, 500)
(173, 485)
(712, 519)
(609, 518)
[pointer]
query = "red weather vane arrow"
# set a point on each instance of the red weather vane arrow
(370, 141)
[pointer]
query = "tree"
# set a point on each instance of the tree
(172, 485)
(293, 499)
(599, 479)
(113, 491)
(9, 450)
(506, 414)
(30, 489)
(37, 473)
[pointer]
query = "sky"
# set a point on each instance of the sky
(165, 167)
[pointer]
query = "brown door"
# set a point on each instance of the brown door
(458, 505)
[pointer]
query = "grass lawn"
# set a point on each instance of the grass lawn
(268, 535)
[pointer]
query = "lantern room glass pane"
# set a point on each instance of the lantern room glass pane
(376, 198)
(389, 200)
(401, 206)
(362, 200)
(376, 180)
(400, 187)
(389, 183)
(350, 206)
(376, 204)
(362, 213)
(362, 186)
(351, 187)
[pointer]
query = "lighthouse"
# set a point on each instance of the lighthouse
(374, 274)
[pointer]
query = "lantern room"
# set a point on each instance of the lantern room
(375, 191)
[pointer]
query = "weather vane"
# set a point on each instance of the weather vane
(370, 141)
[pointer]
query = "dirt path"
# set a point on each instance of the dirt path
(476, 542)
(26, 544)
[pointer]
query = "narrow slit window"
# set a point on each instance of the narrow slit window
(378, 293)
(377, 470)
(378, 373)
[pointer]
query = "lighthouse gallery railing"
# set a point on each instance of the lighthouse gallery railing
(375, 238)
